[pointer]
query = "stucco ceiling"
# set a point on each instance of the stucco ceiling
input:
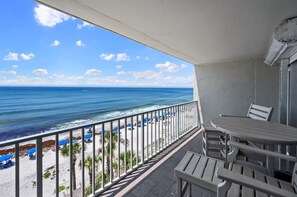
(198, 31)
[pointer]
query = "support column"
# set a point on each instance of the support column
(283, 104)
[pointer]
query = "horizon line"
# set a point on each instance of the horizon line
(37, 86)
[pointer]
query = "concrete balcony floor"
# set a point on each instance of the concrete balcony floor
(156, 177)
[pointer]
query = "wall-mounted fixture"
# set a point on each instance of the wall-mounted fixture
(283, 44)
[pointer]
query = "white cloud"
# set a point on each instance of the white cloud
(15, 66)
(138, 57)
(107, 57)
(119, 66)
(184, 66)
(11, 72)
(93, 72)
(11, 57)
(147, 58)
(75, 78)
(24, 80)
(27, 56)
(180, 80)
(84, 24)
(80, 43)
(55, 43)
(122, 73)
(168, 67)
(57, 76)
(108, 81)
(40, 71)
(49, 17)
(122, 57)
(147, 74)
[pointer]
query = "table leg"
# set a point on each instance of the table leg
(270, 161)
(226, 151)
(179, 187)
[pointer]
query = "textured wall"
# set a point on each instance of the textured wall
(230, 88)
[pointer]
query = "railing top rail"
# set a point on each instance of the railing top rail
(51, 133)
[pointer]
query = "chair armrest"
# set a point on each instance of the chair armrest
(224, 115)
(237, 178)
(262, 151)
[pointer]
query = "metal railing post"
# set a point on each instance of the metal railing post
(71, 166)
(119, 148)
(17, 170)
(110, 153)
(39, 172)
(82, 163)
(57, 164)
(103, 157)
(142, 138)
(137, 141)
(178, 121)
(131, 147)
(125, 142)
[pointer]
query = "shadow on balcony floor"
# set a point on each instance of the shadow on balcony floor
(156, 177)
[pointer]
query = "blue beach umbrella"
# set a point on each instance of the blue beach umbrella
(31, 151)
(88, 136)
(63, 142)
(103, 132)
(129, 125)
(74, 140)
(5, 157)
(116, 129)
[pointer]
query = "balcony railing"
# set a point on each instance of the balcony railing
(98, 154)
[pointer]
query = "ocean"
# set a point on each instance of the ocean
(30, 110)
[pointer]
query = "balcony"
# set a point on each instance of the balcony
(85, 160)
(135, 155)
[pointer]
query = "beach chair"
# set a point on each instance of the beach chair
(237, 181)
(8, 164)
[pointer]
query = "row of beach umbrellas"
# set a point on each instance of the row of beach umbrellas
(87, 137)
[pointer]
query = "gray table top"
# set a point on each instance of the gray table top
(256, 130)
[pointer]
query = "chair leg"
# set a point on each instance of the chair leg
(206, 143)
(190, 189)
(179, 187)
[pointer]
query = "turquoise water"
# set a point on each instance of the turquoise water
(30, 110)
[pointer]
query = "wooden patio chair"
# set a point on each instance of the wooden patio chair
(237, 181)
(255, 183)
(213, 140)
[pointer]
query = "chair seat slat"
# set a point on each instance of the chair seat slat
(235, 188)
(260, 177)
(247, 192)
(209, 170)
(192, 164)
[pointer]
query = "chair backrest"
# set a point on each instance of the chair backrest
(260, 112)
(294, 178)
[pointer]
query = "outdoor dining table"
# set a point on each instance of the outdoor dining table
(264, 132)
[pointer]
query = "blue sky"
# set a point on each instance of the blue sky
(43, 47)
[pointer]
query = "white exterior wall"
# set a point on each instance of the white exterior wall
(229, 88)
